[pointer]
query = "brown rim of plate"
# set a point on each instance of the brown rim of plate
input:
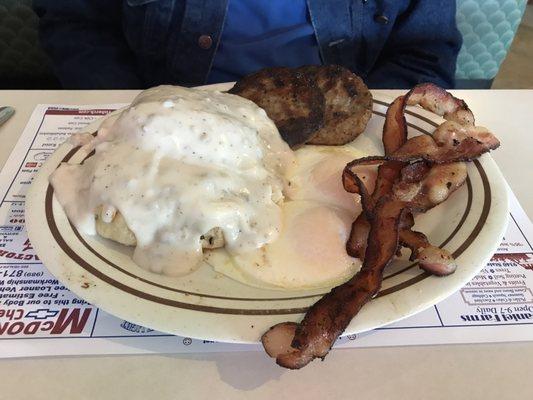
(102, 276)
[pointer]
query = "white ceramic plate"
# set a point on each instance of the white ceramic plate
(210, 306)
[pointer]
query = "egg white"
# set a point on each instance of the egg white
(317, 216)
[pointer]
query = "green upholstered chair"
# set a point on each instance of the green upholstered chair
(488, 28)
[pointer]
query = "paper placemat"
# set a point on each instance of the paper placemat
(40, 317)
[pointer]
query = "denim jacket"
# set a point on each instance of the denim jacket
(141, 43)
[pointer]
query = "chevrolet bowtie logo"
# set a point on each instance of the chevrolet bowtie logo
(41, 313)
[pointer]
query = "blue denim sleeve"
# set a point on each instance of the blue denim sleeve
(85, 41)
(422, 47)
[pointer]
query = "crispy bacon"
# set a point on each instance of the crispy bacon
(356, 243)
(451, 133)
(422, 148)
(415, 172)
(277, 340)
(406, 162)
(410, 170)
(457, 139)
(395, 127)
(394, 136)
(434, 187)
(422, 184)
(413, 176)
(437, 100)
(326, 320)
(430, 258)
(388, 172)
(427, 149)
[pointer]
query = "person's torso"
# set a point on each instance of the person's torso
(175, 41)
(259, 34)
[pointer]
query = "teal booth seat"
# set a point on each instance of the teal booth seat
(488, 28)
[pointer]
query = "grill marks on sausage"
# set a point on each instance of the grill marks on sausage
(290, 98)
(326, 105)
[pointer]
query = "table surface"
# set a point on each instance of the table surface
(482, 371)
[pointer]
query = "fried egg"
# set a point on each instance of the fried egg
(316, 176)
(317, 216)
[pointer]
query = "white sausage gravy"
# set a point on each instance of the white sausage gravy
(177, 163)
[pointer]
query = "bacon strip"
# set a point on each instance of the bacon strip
(394, 136)
(433, 188)
(277, 340)
(426, 148)
(431, 258)
(414, 174)
(356, 243)
(395, 127)
(388, 172)
(437, 100)
(451, 133)
(325, 321)
(349, 173)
